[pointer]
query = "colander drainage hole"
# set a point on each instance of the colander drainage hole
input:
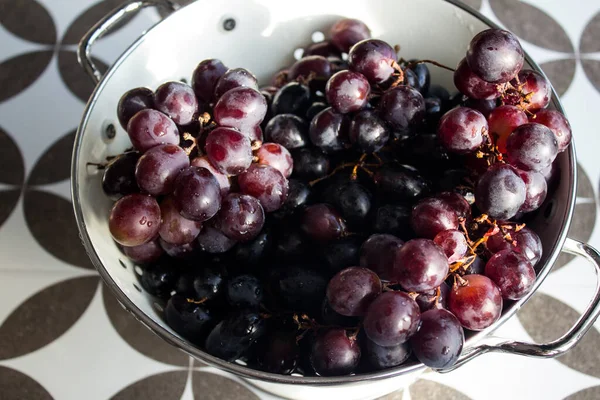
(298, 53)
(549, 210)
(122, 263)
(229, 24)
(137, 288)
(317, 37)
(110, 131)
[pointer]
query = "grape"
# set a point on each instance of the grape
(483, 106)
(159, 279)
(134, 220)
(291, 244)
(380, 357)
(131, 102)
(503, 121)
(240, 108)
(528, 243)
(332, 318)
(347, 91)
(454, 244)
(440, 92)
(401, 182)
(558, 124)
(234, 78)
(244, 291)
(252, 253)
(351, 199)
(531, 147)
(280, 353)
(410, 78)
(298, 196)
(232, 337)
(452, 178)
(461, 130)
(536, 88)
(254, 133)
(439, 341)
(393, 219)
(182, 251)
(178, 101)
(310, 164)
(150, 128)
(323, 223)
(229, 151)
(314, 109)
(351, 290)
(347, 32)
(419, 265)
(536, 189)
(469, 84)
(157, 170)
(512, 272)
(423, 151)
(433, 111)
(314, 66)
(205, 77)
(334, 353)
(368, 132)
(212, 240)
(119, 175)
(402, 107)
(500, 192)
(197, 194)
(324, 48)
(266, 184)
(457, 202)
(378, 252)
(391, 319)
(342, 253)
(174, 228)
(293, 98)
(288, 130)
(477, 304)
(299, 288)
(329, 131)
(222, 179)
(374, 59)
(190, 320)
(202, 284)
(144, 253)
(432, 216)
(241, 217)
(422, 74)
(430, 300)
(276, 156)
(495, 55)
(476, 267)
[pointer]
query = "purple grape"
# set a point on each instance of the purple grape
(368, 132)
(178, 101)
(432, 216)
(144, 253)
(205, 77)
(439, 340)
(380, 357)
(190, 320)
(197, 194)
(477, 304)
(536, 88)
(419, 265)
(132, 102)
(471, 85)
(391, 319)
(288, 130)
(222, 179)
(234, 336)
(402, 107)
(500, 192)
(401, 182)
(229, 151)
(347, 32)
(378, 252)
(558, 124)
(310, 164)
(293, 98)
(526, 242)
(347, 91)
(324, 48)
(457, 202)
(334, 353)
(119, 175)
(342, 253)
(351, 290)
(298, 196)
(276, 156)
(531, 147)
(158, 168)
(323, 223)
(329, 131)
(212, 240)
(374, 59)
(240, 108)
(244, 291)
(181, 251)
(266, 184)
(535, 192)
(234, 78)
(174, 228)
(241, 217)
(280, 353)
(431, 301)
(315, 66)
(453, 242)
(159, 279)
(134, 220)
(461, 130)
(512, 272)
(502, 122)
(393, 219)
(149, 128)
(495, 55)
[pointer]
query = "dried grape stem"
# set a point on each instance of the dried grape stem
(437, 64)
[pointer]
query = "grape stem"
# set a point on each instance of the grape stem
(100, 166)
(194, 301)
(437, 64)
(194, 143)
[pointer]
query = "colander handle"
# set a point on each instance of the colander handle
(558, 346)
(103, 26)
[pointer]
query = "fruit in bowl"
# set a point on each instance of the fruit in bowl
(315, 221)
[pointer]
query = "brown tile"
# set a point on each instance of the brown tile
(76, 80)
(560, 73)
(590, 38)
(12, 169)
(18, 386)
(592, 71)
(426, 390)
(165, 386)
(8, 201)
(55, 164)
(207, 386)
(29, 20)
(592, 393)
(476, 4)
(19, 72)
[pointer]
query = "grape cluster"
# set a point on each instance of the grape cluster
(375, 220)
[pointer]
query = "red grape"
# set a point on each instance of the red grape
(558, 124)
(222, 179)
(329, 131)
(315, 66)
(197, 194)
(477, 304)
(119, 175)
(454, 244)
(472, 85)
(288, 130)
(402, 107)
(368, 132)
(536, 88)
(241, 217)
(495, 55)
(439, 340)
(531, 147)
(347, 91)
(374, 59)
(131, 102)
(134, 220)
(500, 192)
(457, 202)
(334, 353)
(266, 184)
(254, 133)
(378, 252)
(391, 319)
(536, 190)
(144, 253)
(240, 108)
(351, 290)
(347, 32)
(527, 242)
(229, 151)
(234, 78)
(512, 272)
(432, 216)
(461, 130)
(158, 168)
(212, 240)
(178, 101)
(419, 265)
(205, 77)
(276, 156)
(503, 121)
(323, 223)
(174, 228)
(149, 128)
(181, 251)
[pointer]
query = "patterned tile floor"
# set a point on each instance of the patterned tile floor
(63, 336)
